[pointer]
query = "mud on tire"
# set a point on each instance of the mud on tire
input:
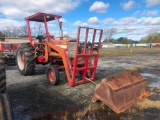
(25, 59)
(2, 77)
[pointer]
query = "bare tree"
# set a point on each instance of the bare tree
(35, 30)
(11, 31)
(14, 31)
(2, 36)
(23, 31)
(39, 28)
(108, 33)
(7, 32)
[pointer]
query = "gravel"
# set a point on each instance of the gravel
(33, 95)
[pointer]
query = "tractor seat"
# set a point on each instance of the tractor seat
(40, 38)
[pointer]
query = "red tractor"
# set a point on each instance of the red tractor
(7, 51)
(69, 54)
(76, 56)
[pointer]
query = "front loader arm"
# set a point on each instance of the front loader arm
(65, 58)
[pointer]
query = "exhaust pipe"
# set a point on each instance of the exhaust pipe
(60, 30)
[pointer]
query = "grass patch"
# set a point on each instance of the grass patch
(146, 103)
(114, 52)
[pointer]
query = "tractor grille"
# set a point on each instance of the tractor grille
(71, 49)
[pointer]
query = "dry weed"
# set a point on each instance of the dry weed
(65, 117)
(146, 103)
(88, 110)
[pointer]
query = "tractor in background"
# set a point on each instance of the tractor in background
(7, 51)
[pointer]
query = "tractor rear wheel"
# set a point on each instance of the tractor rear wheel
(53, 75)
(25, 59)
(2, 77)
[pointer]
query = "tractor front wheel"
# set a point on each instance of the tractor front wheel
(25, 59)
(53, 75)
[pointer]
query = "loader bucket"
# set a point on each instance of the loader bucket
(121, 91)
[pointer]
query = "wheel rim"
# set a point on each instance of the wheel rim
(51, 76)
(20, 60)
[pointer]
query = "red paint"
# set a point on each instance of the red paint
(71, 65)
(85, 55)
(8, 46)
(157, 45)
(40, 17)
(41, 59)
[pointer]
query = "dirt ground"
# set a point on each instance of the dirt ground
(33, 98)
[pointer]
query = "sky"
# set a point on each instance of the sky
(133, 19)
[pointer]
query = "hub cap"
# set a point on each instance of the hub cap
(20, 60)
(51, 75)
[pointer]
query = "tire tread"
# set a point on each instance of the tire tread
(29, 59)
(2, 77)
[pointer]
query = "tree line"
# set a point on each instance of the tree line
(14, 31)
(151, 38)
(121, 40)
(110, 32)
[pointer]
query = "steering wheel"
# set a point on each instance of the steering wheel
(44, 35)
(41, 37)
